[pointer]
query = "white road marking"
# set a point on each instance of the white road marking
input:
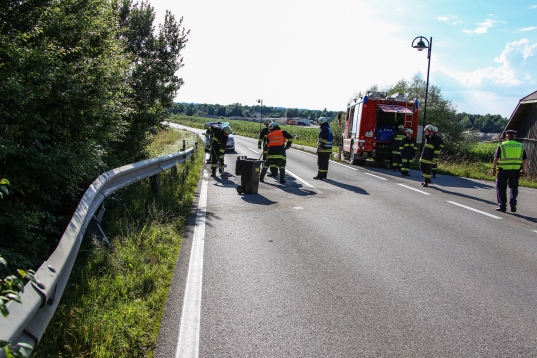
(302, 181)
(253, 150)
(189, 330)
(343, 165)
(534, 230)
(376, 176)
(419, 191)
(477, 211)
(298, 208)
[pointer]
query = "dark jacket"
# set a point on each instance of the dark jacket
(431, 149)
(407, 148)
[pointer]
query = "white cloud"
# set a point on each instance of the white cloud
(515, 68)
(482, 27)
(443, 18)
(531, 28)
(533, 7)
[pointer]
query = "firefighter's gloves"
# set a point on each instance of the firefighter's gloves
(288, 145)
(258, 145)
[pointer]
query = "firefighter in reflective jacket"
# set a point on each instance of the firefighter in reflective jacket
(435, 165)
(396, 153)
(407, 148)
(262, 142)
(429, 155)
(324, 149)
(278, 141)
(218, 139)
(510, 158)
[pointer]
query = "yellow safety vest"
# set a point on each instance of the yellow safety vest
(511, 153)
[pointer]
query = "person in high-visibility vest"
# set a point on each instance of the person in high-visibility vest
(262, 143)
(278, 141)
(218, 138)
(429, 155)
(396, 153)
(407, 147)
(324, 149)
(510, 160)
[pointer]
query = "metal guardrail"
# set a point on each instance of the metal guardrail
(28, 320)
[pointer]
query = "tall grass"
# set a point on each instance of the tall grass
(115, 298)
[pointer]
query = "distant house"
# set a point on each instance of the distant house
(524, 121)
(299, 121)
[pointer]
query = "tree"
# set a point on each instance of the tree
(156, 58)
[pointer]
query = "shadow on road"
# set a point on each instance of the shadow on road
(292, 186)
(352, 188)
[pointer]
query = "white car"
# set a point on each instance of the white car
(230, 145)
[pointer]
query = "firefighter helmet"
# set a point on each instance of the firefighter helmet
(272, 125)
(510, 131)
(409, 131)
(429, 127)
(267, 121)
(401, 127)
(206, 125)
(322, 120)
(435, 129)
(227, 129)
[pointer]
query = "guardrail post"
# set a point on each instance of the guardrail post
(94, 228)
(195, 148)
(174, 170)
(155, 184)
(184, 145)
(339, 153)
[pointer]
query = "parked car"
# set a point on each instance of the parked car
(230, 145)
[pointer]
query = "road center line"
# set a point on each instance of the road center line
(253, 150)
(376, 176)
(477, 211)
(419, 191)
(189, 330)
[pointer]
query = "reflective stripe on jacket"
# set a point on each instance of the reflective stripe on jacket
(511, 153)
(430, 150)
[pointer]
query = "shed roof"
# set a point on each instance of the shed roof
(520, 111)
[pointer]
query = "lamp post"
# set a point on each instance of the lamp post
(421, 45)
(260, 101)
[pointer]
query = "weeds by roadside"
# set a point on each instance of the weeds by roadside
(115, 297)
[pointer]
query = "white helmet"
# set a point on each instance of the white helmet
(401, 126)
(435, 129)
(227, 129)
(267, 121)
(322, 120)
(206, 125)
(409, 131)
(429, 127)
(272, 125)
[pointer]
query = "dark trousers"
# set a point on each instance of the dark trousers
(506, 178)
(426, 172)
(217, 157)
(405, 165)
(273, 167)
(323, 158)
(396, 160)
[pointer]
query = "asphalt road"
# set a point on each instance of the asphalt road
(365, 264)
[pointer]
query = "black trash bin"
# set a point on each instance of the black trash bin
(238, 164)
(249, 169)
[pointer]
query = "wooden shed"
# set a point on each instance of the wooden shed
(524, 121)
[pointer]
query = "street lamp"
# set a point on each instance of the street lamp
(261, 115)
(421, 45)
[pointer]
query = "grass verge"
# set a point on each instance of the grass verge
(115, 298)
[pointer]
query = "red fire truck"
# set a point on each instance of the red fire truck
(371, 124)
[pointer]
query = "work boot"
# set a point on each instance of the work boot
(262, 175)
(499, 208)
(513, 208)
(318, 177)
(325, 175)
(213, 172)
(282, 176)
(424, 184)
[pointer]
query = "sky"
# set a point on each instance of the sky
(317, 54)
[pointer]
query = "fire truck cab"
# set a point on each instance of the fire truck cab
(371, 123)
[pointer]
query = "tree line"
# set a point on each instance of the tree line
(238, 110)
(83, 87)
